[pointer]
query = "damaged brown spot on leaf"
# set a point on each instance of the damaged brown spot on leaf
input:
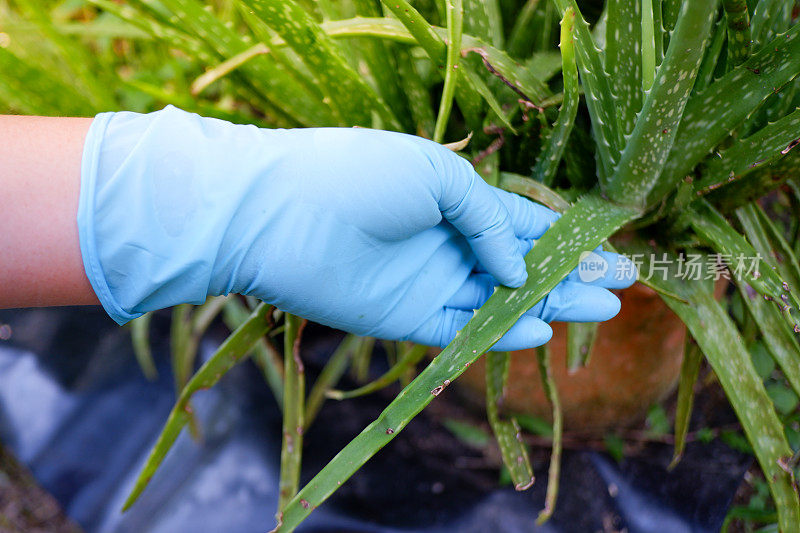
(791, 145)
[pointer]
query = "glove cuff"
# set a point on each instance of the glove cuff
(86, 220)
(152, 213)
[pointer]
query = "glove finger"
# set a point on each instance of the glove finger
(576, 302)
(474, 209)
(525, 246)
(473, 293)
(441, 329)
(528, 332)
(529, 219)
(605, 269)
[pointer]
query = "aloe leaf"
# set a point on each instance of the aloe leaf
(649, 144)
(140, 332)
(431, 39)
(746, 155)
(671, 9)
(690, 368)
(469, 100)
(524, 30)
(408, 360)
(712, 227)
(543, 357)
(285, 57)
(33, 91)
(770, 18)
(553, 150)
(722, 346)
(658, 31)
(102, 27)
(232, 351)
(381, 61)
(624, 57)
(354, 98)
(262, 73)
(153, 27)
(263, 353)
(294, 391)
(75, 60)
(183, 348)
(599, 94)
(333, 370)
(455, 27)
(506, 432)
(735, 95)
(705, 76)
(582, 228)
(534, 190)
(783, 256)
(772, 247)
(740, 41)
(419, 103)
(764, 180)
(778, 337)
(580, 341)
(543, 65)
(482, 19)
(648, 32)
(226, 67)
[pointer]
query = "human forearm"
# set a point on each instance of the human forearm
(40, 257)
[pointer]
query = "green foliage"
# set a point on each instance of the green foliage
(507, 432)
(689, 115)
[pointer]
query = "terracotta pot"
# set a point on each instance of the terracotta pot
(635, 363)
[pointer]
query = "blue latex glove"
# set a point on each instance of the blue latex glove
(376, 233)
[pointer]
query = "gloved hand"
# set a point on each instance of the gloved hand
(376, 233)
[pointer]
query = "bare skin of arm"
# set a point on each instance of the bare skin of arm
(40, 169)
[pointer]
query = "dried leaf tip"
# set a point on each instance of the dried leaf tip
(458, 145)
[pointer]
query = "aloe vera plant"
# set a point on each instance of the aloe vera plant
(668, 119)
